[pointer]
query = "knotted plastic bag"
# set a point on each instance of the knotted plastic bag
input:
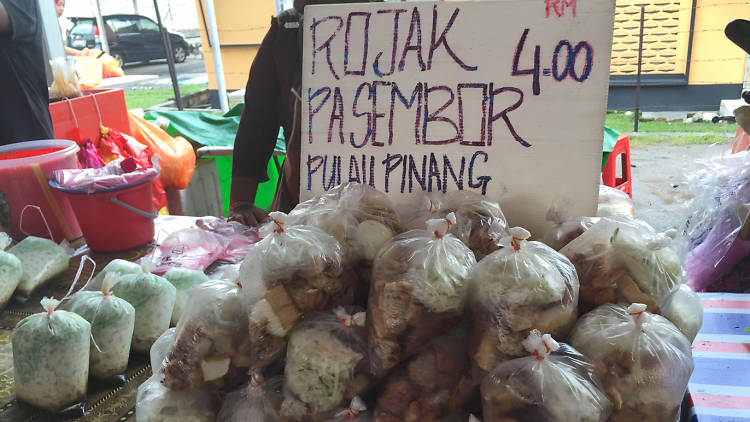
(65, 82)
(42, 260)
(153, 299)
(526, 285)
(642, 359)
(614, 203)
(259, 401)
(11, 272)
(112, 322)
(51, 358)
(683, 308)
(356, 411)
(118, 266)
(155, 402)
(211, 344)
(432, 385)
(418, 291)
(566, 228)
(291, 272)
(326, 361)
(554, 383)
(183, 280)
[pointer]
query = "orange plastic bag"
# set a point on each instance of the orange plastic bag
(741, 141)
(176, 155)
(110, 67)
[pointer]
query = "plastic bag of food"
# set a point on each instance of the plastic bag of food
(566, 228)
(614, 203)
(41, 259)
(153, 299)
(431, 385)
(293, 271)
(426, 207)
(65, 82)
(155, 402)
(211, 344)
(159, 350)
(11, 272)
(326, 361)
(183, 280)
(642, 359)
(620, 260)
(51, 358)
(361, 218)
(683, 308)
(112, 322)
(356, 411)
(526, 285)
(480, 223)
(259, 401)
(418, 291)
(120, 267)
(555, 384)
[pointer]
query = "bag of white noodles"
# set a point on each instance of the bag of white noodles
(620, 260)
(41, 259)
(112, 322)
(258, 401)
(642, 359)
(683, 308)
(291, 272)
(159, 350)
(155, 402)
(118, 266)
(153, 299)
(183, 280)
(11, 271)
(211, 344)
(418, 291)
(526, 285)
(554, 383)
(326, 361)
(361, 218)
(51, 358)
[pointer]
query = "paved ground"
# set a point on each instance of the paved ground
(660, 193)
(192, 71)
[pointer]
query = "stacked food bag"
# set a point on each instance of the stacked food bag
(339, 314)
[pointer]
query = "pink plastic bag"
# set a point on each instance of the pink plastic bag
(116, 174)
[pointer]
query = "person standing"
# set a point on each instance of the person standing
(24, 96)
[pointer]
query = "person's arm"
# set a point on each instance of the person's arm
(4, 19)
(257, 133)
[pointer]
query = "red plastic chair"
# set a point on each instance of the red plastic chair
(609, 173)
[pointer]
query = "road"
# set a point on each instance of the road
(192, 71)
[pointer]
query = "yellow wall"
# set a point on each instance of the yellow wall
(239, 22)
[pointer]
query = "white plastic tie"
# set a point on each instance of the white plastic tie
(473, 418)
(441, 227)
(49, 304)
(356, 407)
(540, 345)
(636, 310)
(278, 221)
(256, 380)
(20, 220)
(349, 320)
(518, 235)
(110, 279)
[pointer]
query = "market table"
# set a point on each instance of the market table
(106, 403)
(719, 389)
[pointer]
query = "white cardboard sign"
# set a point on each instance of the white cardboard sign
(504, 98)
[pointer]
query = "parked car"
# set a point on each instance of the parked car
(131, 38)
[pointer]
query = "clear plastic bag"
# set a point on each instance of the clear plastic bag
(683, 308)
(42, 260)
(357, 412)
(155, 402)
(431, 385)
(418, 291)
(566, 228)
(526, 285)
(211, 344)
(51, 358)
(259, 401)
(65, 82)
(293, 271)
(183, 280)
(361, 218)
(118, 266)
(642, 359)
(614, 203)
(554, 383)
(118, 173)
(326, 361)
(620, 260)
(11, 272)
(112, 323)
(426, 207)
(153, 299)
(159, 350)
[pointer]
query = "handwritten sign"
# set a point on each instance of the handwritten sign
(504, 98)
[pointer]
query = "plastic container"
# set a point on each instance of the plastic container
(114, 220)
(25, 168)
